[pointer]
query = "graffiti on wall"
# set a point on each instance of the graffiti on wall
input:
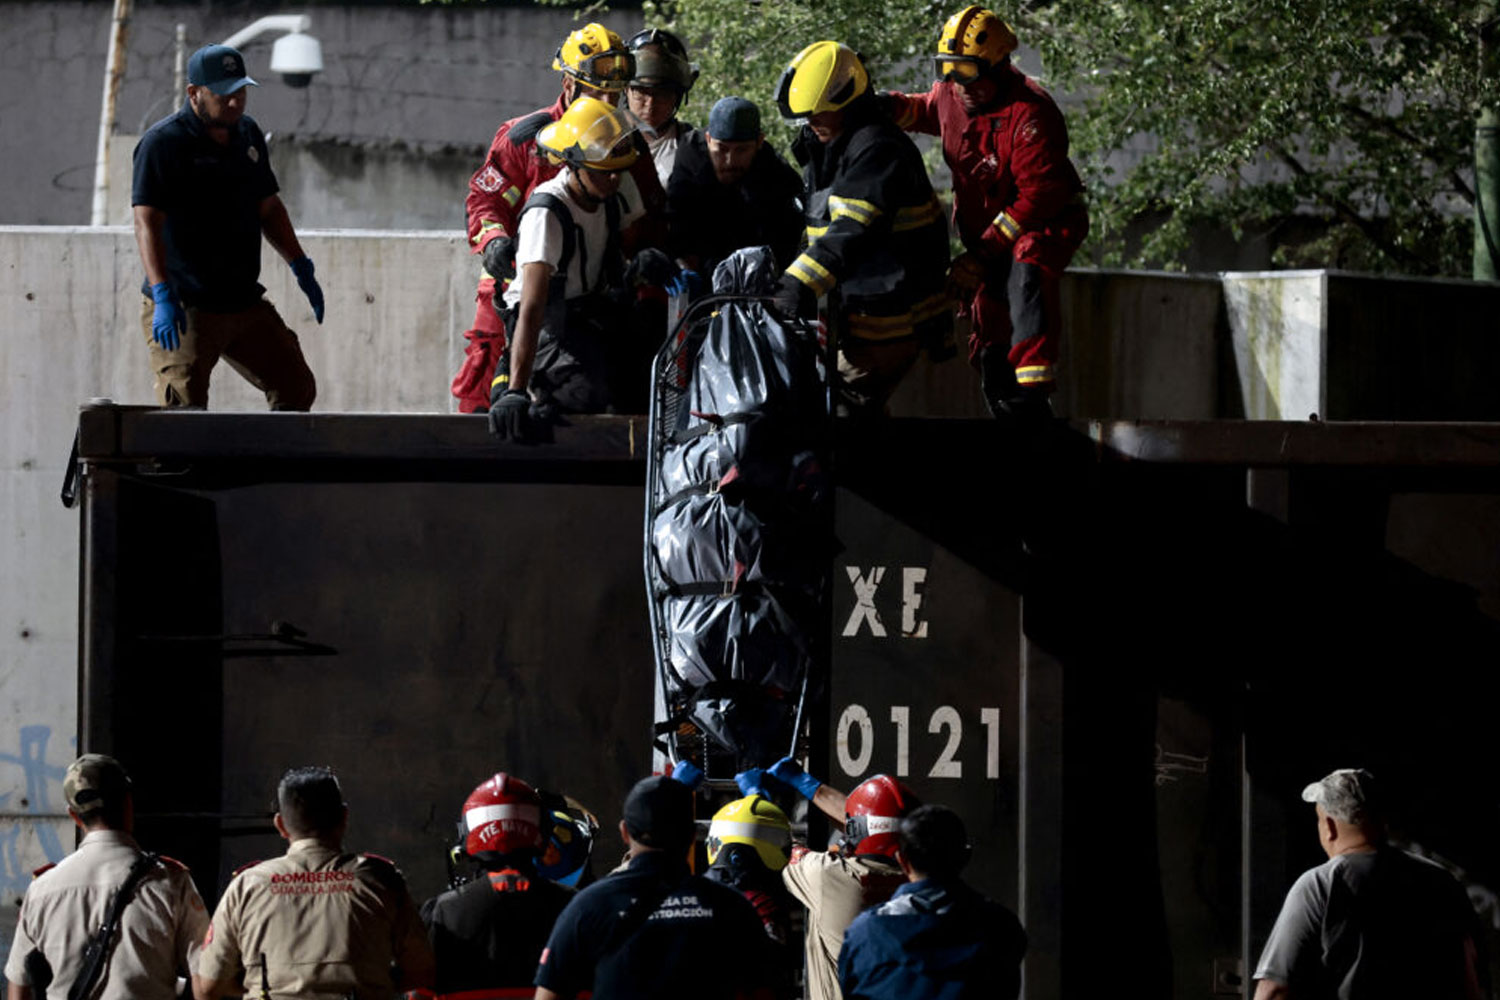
(41, 780)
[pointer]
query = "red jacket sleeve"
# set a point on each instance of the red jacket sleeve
(497, 189)
(914, 112)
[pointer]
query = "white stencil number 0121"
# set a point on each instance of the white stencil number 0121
(856, 740)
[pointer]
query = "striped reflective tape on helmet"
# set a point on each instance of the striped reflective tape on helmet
(1032, 374)
(862, 212)
(1009, 227)
(812, 274)
(725, 828)
(477, 817)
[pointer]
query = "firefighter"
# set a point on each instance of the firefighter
(749, 841)
(594, 62)
(489, 933)
(875, 233)
(1017, 202)
(574, 347)
(835, 887)
(655, 94)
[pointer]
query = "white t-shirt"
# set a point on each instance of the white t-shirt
(664, 149)
(539, 236)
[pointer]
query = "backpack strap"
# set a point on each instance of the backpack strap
(554, 204)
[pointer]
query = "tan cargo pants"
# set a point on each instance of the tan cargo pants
(254, 341)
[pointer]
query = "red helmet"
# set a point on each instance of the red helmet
(873, 814)
(502, 816)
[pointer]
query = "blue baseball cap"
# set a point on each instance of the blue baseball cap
(219, 68)
(734, 119)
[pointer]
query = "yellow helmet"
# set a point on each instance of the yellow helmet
(825, 76)
(592, 135)
(754, 821)
(596, 56)
(973, 42)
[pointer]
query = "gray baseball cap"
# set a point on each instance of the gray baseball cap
(93, 782)
(1350, 795)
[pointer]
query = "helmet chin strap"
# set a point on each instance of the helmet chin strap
(579, 191)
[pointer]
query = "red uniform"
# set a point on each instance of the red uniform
(497, 193)
(1018, 204)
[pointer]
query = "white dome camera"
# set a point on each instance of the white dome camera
(297, 57)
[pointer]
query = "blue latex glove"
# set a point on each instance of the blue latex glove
(302, 267)
(688, 773)
(689, 283)
(789, 772)
(750, 782)
(167, 321)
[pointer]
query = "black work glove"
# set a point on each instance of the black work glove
(794, 299)
(510, 415)
(499, 256)
(650, 267)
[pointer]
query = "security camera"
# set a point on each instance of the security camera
(296, 57)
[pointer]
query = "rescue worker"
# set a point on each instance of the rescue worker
(835, 887)
(595, 63)
(316, 922)
(654, 929)
(731, 190)
(1017, 203)
(655, 94)
(749, 841)
(875, 232)
(489, 933)
(574, 347)
(567, 855)
(160, 927)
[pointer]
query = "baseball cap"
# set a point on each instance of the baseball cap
(93, 782)
(1350, 795)
(659, 813)
(219, 68)
(734, 119)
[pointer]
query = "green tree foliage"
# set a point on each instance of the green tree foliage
(1246, 115)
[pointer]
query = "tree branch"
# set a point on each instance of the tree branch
(1351, 215)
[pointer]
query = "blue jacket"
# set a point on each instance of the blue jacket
(933, 940)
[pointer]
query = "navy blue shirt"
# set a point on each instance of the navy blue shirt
(700, 940)
(211, 194)
(940, 941)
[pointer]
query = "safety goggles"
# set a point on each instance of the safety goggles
(962, 70)
(609, 70)
(656, 36)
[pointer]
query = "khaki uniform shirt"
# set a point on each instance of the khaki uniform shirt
(315, 923)
(159, 928)
(834, 889)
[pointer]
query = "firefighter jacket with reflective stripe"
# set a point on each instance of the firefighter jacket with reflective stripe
(874, 229)
(1010, 166)
(513, 168)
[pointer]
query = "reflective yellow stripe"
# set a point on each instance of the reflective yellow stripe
(811, 273)
(1032, 374)
(503, 378)
(862, 212)
(934, 305)
(512, 195)
(484, 227)
(813, 232)
(917, 217)
(895, 327)
(1009, 228)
